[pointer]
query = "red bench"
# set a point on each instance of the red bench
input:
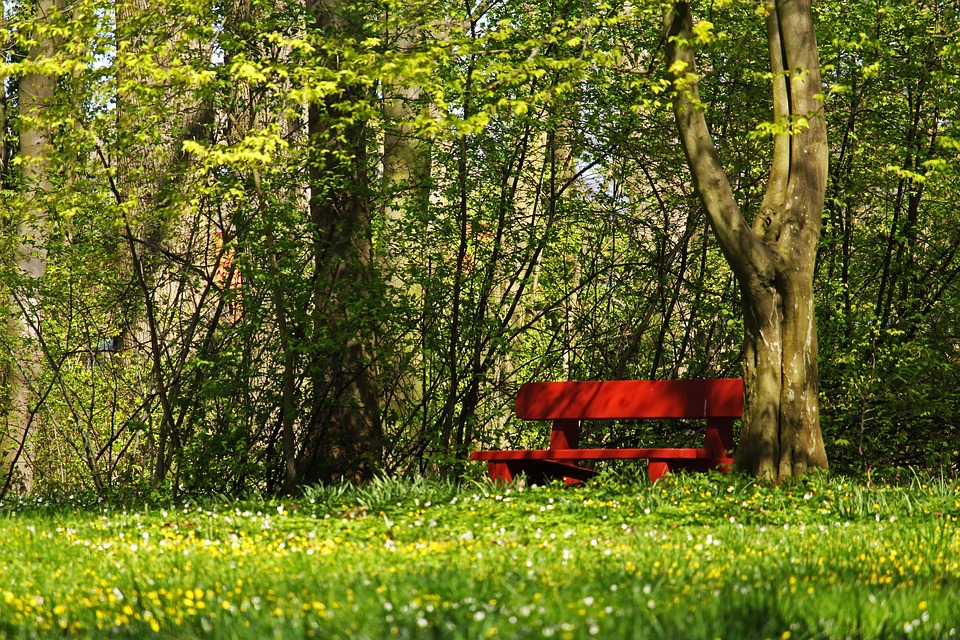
(720, 402)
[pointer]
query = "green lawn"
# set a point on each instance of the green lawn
(692, 557)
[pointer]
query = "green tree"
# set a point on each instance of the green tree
(889, 255)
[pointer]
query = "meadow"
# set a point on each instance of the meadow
(700, 556)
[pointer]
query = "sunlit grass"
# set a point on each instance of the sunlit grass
(692, 557)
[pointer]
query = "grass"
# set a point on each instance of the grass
(692, 557)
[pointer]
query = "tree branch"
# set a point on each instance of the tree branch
(767, 223)
(742, 248)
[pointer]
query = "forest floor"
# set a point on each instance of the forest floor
(701, 556)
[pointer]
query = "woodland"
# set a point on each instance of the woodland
(257, 245)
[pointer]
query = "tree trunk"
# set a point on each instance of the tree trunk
(36, 95)
(343, 439)
(774, 260)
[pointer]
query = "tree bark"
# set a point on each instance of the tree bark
(774, 260)
(36, 96)
(344, 435)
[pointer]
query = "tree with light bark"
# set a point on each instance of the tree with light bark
(773, 257)
(36, 92)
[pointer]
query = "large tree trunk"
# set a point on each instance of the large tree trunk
(343, 438)
(774, 260)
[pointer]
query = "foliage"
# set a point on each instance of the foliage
(524, 217)
(888, 263)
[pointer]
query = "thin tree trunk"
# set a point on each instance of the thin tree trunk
(406, 181)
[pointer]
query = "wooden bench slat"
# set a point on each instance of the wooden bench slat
(631, 399)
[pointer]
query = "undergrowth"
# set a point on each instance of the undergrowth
(698, 556)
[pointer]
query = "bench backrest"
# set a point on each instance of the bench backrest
(631, 399)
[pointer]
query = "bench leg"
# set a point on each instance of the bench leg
(657, 468)
(499, 471)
